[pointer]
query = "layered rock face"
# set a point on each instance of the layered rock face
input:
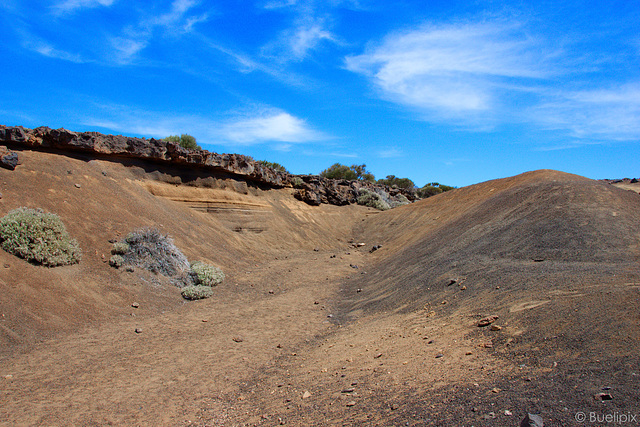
(310, 188)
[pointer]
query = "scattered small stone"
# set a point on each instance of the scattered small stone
(316, 302)
(443, 302)
(332, 256)
(138, 330)
(532, 420)
(375, 248)
(129, 269)
(204, 320)
(430, 342)
(316, 249)
(306, 394)
(348, 390)
(438, 356)
(469, 353)
(378, 356)
(238, 339)
(351, 403)
(8, 377)
(358, 245)
(330, 316)
(77, 185)
(508, 412)
(606, 388)
(272, 292)
(104, 173)
(463, 288)
(7, 266)
(452, 282)
(488, 345)
(359, 290)
(528, 379)
(603, 396)
(393, 406)
(353, 266)
(496, 328)
(489, 416)
(279, 346)
(495, 390)
(135, 305)
(487, 321)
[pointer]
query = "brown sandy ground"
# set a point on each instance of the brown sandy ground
(297, 335)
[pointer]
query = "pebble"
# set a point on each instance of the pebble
(438, 356)
(496, 328)
(351, 403)
(495, 390)
(508, 412)
(237, 339)
(138, 330)
(135, 305)
(487, 321)
(77, 185)
(348, 390)
(378, 356)
(306, 394)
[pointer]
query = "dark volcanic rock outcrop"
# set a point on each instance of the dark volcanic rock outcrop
(309, 188)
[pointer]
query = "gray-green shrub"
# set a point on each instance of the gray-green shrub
(38, 237)
(120, 248)
(205, 274)
(156, 252)
(116, 261)
(194, 292)
(372, 199)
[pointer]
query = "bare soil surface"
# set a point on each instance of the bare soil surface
(311, 329)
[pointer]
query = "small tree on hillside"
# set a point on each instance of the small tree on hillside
(185, 141)
(351, 173)
(392, 180)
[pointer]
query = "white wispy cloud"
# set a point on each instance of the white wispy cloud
(389, 153)
(453, 70)
(268, 125)
(296, 43)
(262, 125)
(606, 114)
(137, 37)
(36, 44)
(69, 6)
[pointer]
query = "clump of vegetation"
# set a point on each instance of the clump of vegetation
(185, 141)
(431, 189)
(297, 181)
(194, 292)
(401, 200)
(393, 181)
(116, 261)
(205, 274)
(351, 173)
(120, 248)
(372, 199)
(148, 248)
(38, 237)
(273, 165)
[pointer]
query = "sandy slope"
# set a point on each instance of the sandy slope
(390, 342)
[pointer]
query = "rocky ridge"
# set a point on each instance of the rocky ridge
(312, 189)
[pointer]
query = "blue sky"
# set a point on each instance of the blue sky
(457, 92)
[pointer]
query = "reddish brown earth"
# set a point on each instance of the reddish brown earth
(296, 335)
